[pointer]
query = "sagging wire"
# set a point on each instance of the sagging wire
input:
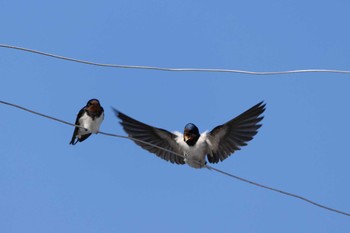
(177, 69)
(207, 166)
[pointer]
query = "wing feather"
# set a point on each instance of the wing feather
(227, 138)
(75, 139)
(159, 137)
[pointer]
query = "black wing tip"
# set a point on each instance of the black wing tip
(258, 109)
(119, 115)
(254, 112)
(261, 105)
(74, 139)
(73, 142)
(116, 111)
(81, 139)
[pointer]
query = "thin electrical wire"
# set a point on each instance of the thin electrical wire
(207, 166)
(279, 191)
(177, 69)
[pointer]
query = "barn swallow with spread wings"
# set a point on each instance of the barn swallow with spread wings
(216, 145)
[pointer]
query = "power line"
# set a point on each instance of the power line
(207, 166)
(177, 69)
(279, 191)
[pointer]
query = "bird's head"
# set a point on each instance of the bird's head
(94, 107)
(93, 103)
(191, 134)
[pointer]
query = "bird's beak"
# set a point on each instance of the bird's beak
(187, 137)
(94, 107)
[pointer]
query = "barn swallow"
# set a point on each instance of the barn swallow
(216, 145)
(90, 117)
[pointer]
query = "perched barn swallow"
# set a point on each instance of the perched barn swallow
(90, 117)
(216, 145)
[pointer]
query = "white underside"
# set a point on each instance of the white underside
(194, 155)
(92, 126)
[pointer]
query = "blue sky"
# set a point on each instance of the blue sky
(108, 184)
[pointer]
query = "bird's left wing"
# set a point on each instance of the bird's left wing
(159, 137)
(225, 139)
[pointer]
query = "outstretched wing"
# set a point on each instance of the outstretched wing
(156, 136)
(225, 139)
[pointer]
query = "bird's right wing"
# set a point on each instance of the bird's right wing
(156, 136)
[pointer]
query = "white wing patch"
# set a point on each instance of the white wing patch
(214, 141)
(180, 140)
